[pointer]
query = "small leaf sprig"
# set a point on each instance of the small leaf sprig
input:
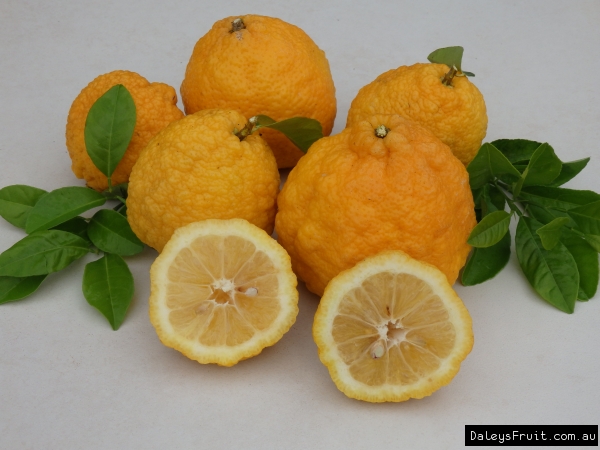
(558, 230)
(56, 233)
(452, 57)
(302, 131)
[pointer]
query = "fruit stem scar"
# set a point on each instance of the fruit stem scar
(447, 79)
(237, 25)
(381, 131)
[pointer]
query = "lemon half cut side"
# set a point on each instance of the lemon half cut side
(222, 291)
(391, 328)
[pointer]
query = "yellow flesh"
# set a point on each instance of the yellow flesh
(222, 291)
(392, 330)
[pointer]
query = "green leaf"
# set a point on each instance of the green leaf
(77, 225)
(552, 273)
(13, 288)
(61, 205)
(478, 196)
(492, 200)
(108, 287)
(540, 214)
(16, 201)
(569, 171)
(550, 233)
(557, 198)
(587, 218)
(516, 150)
(543, 167)
(120, 190)
(586, 259)
(547, 215)
(109, 127)
(122, 209)
(303, 132)
(593, 241)
(520, 167)
(111, 233)
(451, 56)
(489, 163)
(486, 263)
(490, 230)
(41, 253)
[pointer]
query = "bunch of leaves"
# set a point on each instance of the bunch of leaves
(558, 230)
(57, 234)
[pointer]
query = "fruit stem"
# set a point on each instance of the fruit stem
(246, 131)
(447, 79)
(381, 131)
(237, 25)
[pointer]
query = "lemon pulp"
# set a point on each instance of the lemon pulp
(224, 300)
(392, 329)
(221, 291)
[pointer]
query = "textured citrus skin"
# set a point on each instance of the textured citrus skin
(354, 195)
(456, 115)
(155, 105)
(196, 169)
(271, 67)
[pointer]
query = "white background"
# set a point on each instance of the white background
(67, 381)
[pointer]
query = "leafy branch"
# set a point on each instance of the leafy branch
(558, 229)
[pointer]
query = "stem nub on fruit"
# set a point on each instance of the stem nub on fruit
(246, 131)
(381, 131)
(447, 79)
(237, 25)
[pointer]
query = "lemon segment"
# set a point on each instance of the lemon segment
(221, 291)
(391, 328)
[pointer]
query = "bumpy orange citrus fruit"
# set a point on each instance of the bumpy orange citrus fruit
(261, 65)
(456, 114)
(155, 105)
(198, 168)
(382, 184)
(391, 328)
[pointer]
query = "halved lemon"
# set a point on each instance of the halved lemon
(222, 291)
(391, 328)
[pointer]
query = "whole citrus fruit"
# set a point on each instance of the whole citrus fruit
(382, 184)
(261, 65)
(155, 105)
(198, 168)
(455, 113)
